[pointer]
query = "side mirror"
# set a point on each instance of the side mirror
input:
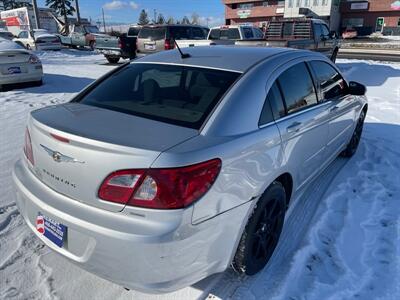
(357, 89)
(332, 34)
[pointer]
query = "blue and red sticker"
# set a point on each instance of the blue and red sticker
(51, 229)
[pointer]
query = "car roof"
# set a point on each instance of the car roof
(229, 58)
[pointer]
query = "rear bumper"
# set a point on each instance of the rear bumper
(49, 47)
(154, 251)
(32, 75)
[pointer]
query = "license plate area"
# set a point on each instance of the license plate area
(14, 70)
(51, 229)
(149, 47)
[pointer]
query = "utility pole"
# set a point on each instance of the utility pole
(78, 15)
(36, 14)
(155, 16)
(104, 20)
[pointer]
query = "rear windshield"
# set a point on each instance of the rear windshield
(179, 95)
(225, 34)
(153, 33)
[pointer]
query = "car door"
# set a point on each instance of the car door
(332, 89)
(23, 38)
(303, 125)
(328, 40)
(318, 37)
(78, 36)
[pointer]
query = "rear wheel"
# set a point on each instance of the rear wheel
(38, 83)
(262, 231)
(112, 59)
(355, 138)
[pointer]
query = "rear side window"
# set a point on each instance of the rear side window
(273, 107)
(224, 34)
(199, 33)
(248, 33)
(178, 95)
(133, 31)
(297, 88)
(153, 33)
(330, 82)
(180, 33)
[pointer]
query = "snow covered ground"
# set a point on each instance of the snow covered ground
(341, 241)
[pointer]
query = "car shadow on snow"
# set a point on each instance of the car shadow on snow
(52, 83)
(368, 74)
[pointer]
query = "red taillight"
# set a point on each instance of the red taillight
(28, 147)
(169, 44)
(170, 188)
(120, 43)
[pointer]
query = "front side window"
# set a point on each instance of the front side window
(325, 30)
(317, 31)
(330, 82)
(297, 88)
(178, 95)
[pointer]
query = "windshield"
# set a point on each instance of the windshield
(153, 33)
(92, 29)
(40, 32)
(224, 34)
(6, 35)
(179, 95)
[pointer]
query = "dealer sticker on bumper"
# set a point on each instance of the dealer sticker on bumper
(51, 229)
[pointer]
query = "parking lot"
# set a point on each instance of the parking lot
(346, 222)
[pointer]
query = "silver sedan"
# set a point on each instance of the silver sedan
(172, 168)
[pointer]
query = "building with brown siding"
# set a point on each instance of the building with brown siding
(371, 16)
(257, 12)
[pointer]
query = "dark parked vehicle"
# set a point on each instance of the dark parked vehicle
(309, 34)
(115, 48)
(156, 38)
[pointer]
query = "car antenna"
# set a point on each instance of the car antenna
(183, 55)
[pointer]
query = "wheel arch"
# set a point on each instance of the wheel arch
(287, 181)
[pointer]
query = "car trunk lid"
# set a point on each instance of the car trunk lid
(14, 56)
(75, 147)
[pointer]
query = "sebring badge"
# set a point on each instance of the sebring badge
(59, 157)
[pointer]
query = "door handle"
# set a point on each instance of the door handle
(335, 108)
(294, 127)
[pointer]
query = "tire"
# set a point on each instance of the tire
(92, 44)
(262, 231)
(112, 59)
(355, 138)
(38, 83)
(334, 55)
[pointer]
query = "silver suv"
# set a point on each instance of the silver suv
(170, 169)
(156, 38)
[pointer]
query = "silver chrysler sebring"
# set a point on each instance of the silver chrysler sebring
(177, 166)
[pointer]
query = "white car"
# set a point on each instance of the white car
(38, 39)
(18, 65)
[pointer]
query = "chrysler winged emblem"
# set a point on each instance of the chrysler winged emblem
(59, 157)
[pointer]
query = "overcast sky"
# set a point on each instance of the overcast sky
(128, 11)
